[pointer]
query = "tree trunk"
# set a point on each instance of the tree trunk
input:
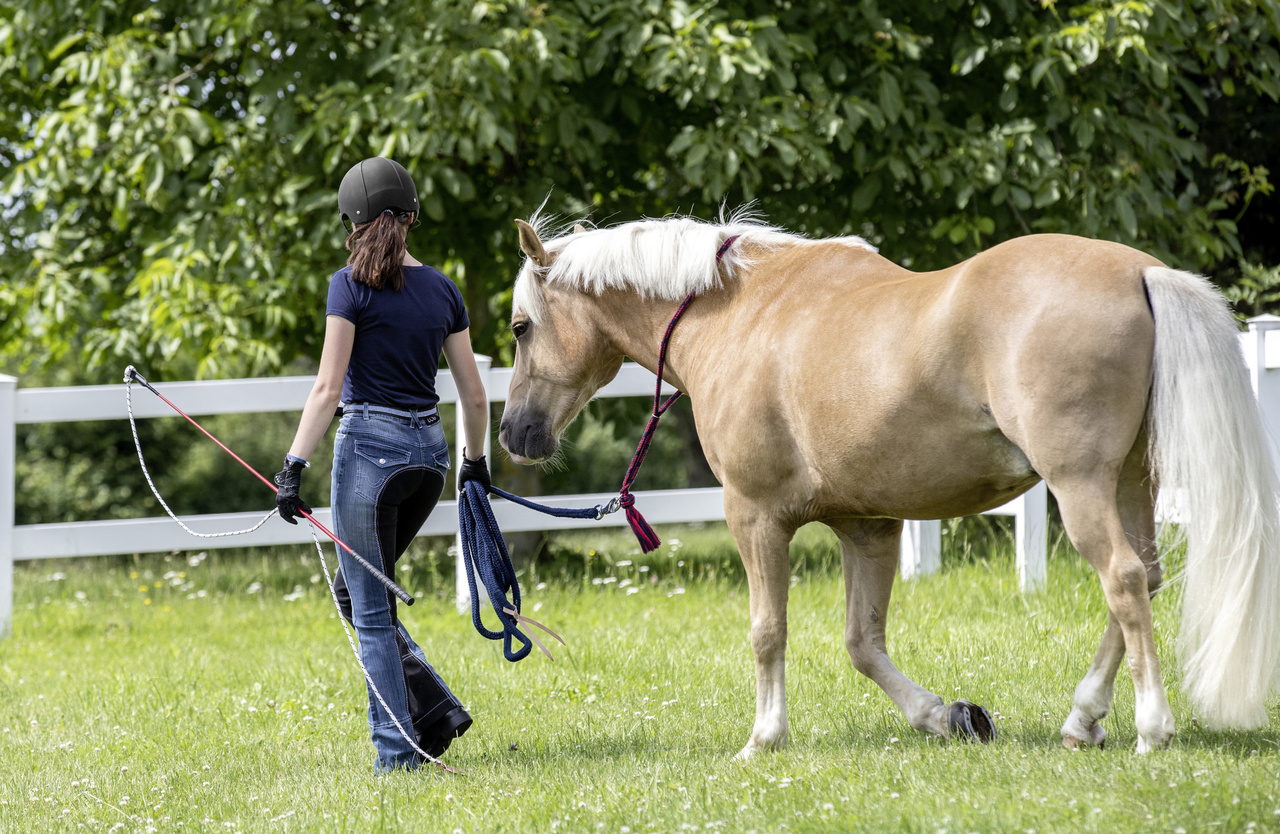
(475, 295)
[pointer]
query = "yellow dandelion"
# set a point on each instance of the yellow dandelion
(133, 574)
(142, 589)
(158, 584)
(166, 608)
(147, 601)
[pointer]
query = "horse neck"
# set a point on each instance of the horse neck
(635, 327)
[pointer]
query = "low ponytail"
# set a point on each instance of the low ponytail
(377, 252)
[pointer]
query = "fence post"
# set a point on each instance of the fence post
(1261, 346)
(8, 460)
(483, 363)
(1032, 535)
(920, 552)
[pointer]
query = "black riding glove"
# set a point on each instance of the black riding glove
(474, 470)
(289, 480)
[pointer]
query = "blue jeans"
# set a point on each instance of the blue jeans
(388, 472)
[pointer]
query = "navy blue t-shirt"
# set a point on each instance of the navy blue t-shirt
(399, 336)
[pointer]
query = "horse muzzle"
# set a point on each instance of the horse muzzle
(527, 437)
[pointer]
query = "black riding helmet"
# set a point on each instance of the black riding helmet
(374, 186)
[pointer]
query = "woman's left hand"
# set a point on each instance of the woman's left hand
(473, 470)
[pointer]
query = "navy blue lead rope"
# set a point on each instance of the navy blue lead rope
(485, 553)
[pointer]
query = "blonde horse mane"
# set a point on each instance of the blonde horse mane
(666, 258)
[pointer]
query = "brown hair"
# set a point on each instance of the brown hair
(377, 252)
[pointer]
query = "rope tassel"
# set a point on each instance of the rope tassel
(648, 539)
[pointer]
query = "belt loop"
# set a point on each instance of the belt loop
(366, 411)
(414, 422)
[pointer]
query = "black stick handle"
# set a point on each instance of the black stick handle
(386, 581)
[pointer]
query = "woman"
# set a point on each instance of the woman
(388, 319)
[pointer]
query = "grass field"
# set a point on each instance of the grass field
(219, 693)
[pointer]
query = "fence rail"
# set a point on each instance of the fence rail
(921, 541)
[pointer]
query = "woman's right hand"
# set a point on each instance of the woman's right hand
(289, 481)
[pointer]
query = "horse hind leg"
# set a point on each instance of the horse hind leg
(1136, 505)
(870, 552)
(1093, 523)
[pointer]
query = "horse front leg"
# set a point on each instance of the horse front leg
(870, 548)
(763, 543)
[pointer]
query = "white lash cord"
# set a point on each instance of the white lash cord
(133, 426)
(329, 579)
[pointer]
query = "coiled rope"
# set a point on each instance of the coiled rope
(485, 555)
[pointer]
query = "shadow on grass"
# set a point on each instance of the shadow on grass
(588, 749)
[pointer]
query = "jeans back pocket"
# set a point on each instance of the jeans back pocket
(438, 448)
(376, 462)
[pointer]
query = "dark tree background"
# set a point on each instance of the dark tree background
(168, 169)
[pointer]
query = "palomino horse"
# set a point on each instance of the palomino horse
(832, 385)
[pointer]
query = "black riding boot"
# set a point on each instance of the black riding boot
(437, 715)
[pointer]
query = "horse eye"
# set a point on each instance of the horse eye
(519, 328)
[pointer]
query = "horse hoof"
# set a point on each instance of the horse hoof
(970, 721)
(1079, 737)
(1150, 745)
(1072, 743)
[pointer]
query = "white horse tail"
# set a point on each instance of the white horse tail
(1208, 445)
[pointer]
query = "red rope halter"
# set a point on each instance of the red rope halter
(644, 533)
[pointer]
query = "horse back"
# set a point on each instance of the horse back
(890, 392)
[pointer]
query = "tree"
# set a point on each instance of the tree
(170, 167)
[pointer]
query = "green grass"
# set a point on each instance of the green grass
(245, 711)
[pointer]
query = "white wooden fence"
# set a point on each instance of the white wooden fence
(239, 396)
(921, 544)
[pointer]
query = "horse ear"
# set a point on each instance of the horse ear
(578, 228)
(531, 244)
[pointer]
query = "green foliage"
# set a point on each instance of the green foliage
(169, 168)
(1257, 291)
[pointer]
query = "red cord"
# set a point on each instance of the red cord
(308, 516)
(648, 539)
